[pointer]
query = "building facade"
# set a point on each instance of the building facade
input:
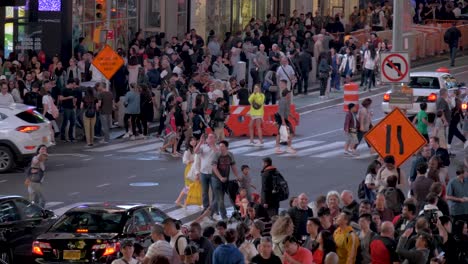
(55, 26)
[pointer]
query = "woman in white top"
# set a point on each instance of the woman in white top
(370, 60)
(191, 172)
(348, 65)
(50, 110)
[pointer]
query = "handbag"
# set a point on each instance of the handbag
(284, 134)
(256, 105)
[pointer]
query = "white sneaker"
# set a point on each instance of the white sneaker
(278, 150)
(259, 144)
(252, 143)
(127, 135)
(104, 141)
(140, 136)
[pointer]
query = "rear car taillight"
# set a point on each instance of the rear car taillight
(38, 246)
(464, 106)
(386, 97)
(432, 97)
(109, 248)
(27, 129)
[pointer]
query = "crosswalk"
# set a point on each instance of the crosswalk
(186, 215)
(145, 149)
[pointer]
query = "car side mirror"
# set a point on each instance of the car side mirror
(47, 214)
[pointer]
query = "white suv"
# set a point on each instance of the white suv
(22, 132)
(426, 87)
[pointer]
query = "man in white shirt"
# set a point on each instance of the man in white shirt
(127, 253)
(286, 72)
(5, 97)
(206, 152)
(178, 240)
(160, 247)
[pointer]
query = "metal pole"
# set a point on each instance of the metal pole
(108, 27)
(397, 39)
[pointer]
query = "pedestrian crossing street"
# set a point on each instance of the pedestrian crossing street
(186, 215)
(145, 149)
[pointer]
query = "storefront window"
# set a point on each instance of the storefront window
(8, 38)
(153, 14)
(9, 12)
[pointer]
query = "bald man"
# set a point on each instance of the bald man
(299, 214)
(350, 207)
(383, 247)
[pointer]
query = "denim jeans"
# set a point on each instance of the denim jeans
(206, 183)
(453, 54)
(219, 189)
(68, 117)
(35, 194)
(106, 121)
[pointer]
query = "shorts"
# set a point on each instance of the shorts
(255, 117)
(351, 139)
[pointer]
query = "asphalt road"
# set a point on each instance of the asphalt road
(135, 171)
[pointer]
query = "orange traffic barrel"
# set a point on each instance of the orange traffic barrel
(443, 69)
(351, 95)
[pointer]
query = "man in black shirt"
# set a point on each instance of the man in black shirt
(205, 247)
(299, 215)
(68, 100)
(265, 255)
(33, 98)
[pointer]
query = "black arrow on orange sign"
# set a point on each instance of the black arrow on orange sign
(395, 66)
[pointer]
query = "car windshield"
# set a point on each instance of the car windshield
(31, 116)
(424, 82)
(89, 222)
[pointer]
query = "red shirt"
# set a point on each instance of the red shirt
(318, 256)
(302, 255)
(379, 253)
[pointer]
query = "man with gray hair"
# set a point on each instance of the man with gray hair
(160, 247)
(350, 207)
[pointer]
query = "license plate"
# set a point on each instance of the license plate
(45, 140)
(71, 254)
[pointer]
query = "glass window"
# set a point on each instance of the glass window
(450, 81)
(8, 212)
(138, 223)
(156, 215)
(9, 12)
(3, 117)
(31, 116)
(29, 210)
(93, 221)
(424, 83)
(153, 14)
(8, 38)
(132, 8)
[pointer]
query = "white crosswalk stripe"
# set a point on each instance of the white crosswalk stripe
(305, 148)
(186, 215)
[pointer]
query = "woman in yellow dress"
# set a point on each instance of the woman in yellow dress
(191, 176)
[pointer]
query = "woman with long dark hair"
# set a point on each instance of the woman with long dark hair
(370, 61)
(326, 245)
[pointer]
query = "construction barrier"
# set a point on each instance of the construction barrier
(351, 95)
(239, 120)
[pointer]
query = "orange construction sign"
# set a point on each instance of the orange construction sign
(395, 135)
(108, 62)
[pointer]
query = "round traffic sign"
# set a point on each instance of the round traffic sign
(400, 73)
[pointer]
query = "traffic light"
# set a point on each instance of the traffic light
(99, 11)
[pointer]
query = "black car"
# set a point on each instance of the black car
(20, 223)
(92, 233)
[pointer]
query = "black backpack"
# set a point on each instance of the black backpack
(280, 186)
(362, 190)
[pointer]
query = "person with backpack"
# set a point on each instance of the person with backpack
(421, 185)
(383, 247)
(452, 36)
(89, 106)
(274, 187)
(388, 169)
(34, 179)
(217, 118)
(394, 197)
(178, 240)
(347, 242)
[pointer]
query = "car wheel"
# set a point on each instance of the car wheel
(6, 257)
(6, 159)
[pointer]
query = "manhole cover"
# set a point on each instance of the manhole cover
(144, 184)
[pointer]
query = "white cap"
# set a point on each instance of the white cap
(3, 77)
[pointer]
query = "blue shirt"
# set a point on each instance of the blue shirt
(132, 102)
(227, 254)
(458, 189)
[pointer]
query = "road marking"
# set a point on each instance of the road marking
(88, 159)
(239, 143)
(143, 148)
(123, 145)
(300, 166)
(336, 152)
(2, 181)
(271, 151)
(132, 176)
(164, 207)
(241, 150)
(103, 185)
(74, 193)
(160, 169)
(108, 155)
(52, 204)
(68, 154)
(184, 212)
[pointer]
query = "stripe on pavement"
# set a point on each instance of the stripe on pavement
(123, 145)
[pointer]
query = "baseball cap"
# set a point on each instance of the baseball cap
(3, 77)
(127, 243)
